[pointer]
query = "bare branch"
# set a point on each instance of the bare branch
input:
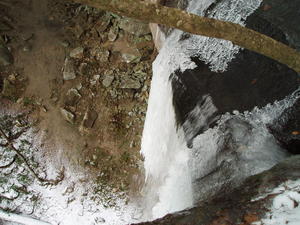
(191, 23)
(9, 164)
(18, 134)
(23, 158)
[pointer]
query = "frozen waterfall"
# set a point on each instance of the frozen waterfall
(171, 168)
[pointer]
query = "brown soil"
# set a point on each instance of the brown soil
(40, 29)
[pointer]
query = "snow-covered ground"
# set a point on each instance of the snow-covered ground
(73, 201)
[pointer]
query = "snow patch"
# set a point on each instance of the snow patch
(285, 208)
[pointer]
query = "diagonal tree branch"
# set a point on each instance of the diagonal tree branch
(23, 158)
(176, 18)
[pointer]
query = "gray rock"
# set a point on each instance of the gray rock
(94, 80)
(6, 58)
(77, 53)
(69, 70)
(113, 33)
(130, 83)
(83, 69)
(89, 118)
(108, 79)
(72, 97)
(103, 23)
(100, 54)
(134, 27)
(68, 116)
(130, 58)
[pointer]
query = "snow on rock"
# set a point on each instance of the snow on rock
(238, 147)
(285, 208)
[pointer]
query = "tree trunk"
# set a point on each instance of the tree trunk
(191, 23)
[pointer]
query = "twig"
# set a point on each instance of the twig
(19, 154)
(10, 199)
(9, 164)
(18, 134)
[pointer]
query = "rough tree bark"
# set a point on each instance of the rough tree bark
(176, 18)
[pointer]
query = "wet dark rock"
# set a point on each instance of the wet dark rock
(238, 206)
(286, 129)
(250, 80)
(6, 58)
(284, 15)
